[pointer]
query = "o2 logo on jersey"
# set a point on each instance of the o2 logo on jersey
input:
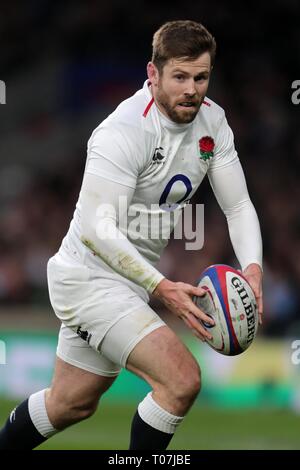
(163, 204)
(184, 229)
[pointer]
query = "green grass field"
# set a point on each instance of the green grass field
(203, 428)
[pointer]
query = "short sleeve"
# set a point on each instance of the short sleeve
(113, 153)
(225, 153)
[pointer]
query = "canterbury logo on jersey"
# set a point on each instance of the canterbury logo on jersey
(12, 416)
(85, 335)
(158, 157)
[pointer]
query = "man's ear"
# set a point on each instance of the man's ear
(152, 73)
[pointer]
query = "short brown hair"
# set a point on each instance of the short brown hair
(181, 39)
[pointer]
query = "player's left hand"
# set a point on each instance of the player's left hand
(253, 274)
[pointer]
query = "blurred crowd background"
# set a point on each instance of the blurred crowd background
(67, 65)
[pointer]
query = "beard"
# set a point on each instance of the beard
(178, 114)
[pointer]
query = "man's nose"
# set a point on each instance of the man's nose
(190, 88)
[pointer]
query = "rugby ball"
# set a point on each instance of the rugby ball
(231, 302)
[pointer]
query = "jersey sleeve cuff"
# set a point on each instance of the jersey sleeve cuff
(153, 282)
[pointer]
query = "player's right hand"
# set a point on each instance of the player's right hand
(177, 297)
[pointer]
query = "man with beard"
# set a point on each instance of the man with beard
(149, 157)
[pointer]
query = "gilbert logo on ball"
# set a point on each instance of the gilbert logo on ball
(231, 302)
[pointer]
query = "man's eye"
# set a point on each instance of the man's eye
(179, 77)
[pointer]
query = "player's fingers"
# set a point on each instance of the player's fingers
(195, 324)
(198, 313)
(198, 291)
(195, 332)
(257, 290)
(259, 300)
(260, 308)
(260, 305)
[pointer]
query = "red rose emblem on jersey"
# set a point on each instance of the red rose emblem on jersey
(206, 146)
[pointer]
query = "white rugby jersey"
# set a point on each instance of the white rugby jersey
(159, 165)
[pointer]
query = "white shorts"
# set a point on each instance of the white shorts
(102, 319)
